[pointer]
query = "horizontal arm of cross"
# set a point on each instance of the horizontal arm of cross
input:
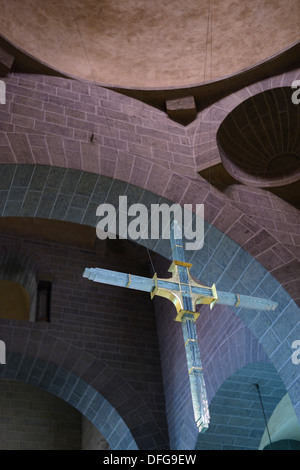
(131, 281)
(172, 289)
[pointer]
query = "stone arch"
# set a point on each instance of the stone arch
(64, 123)
(73, 195)
(240, 272)
(237, 419)
(61, 122)
(37, 263)
(75, 391)
(263, 207)
(87, 383)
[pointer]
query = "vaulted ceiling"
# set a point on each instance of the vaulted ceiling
(157, 43)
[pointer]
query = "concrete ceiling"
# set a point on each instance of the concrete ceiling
(150, 44)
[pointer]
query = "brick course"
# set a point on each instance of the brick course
(104, 323)
(138, 145)
(32, 419)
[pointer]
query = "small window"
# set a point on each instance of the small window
(43, 301)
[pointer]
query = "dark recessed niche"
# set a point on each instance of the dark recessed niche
(259, 140)
(43, 301)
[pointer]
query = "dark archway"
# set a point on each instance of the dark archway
(75, 391)
(73, 195)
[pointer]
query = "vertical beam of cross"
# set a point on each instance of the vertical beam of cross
(191, 343)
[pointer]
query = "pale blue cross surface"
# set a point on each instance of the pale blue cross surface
(185, 293)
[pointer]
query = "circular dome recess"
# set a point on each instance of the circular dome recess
(259, 141)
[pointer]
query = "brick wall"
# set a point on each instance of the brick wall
(31, 418)
(92, 439)
(111, 325)
(49, 121)
(66, 123)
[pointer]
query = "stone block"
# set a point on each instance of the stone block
(182, 110)
(6, 61)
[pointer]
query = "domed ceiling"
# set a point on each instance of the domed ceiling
(259, 140)
(157, 43)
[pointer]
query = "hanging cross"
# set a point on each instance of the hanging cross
(185, 294)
